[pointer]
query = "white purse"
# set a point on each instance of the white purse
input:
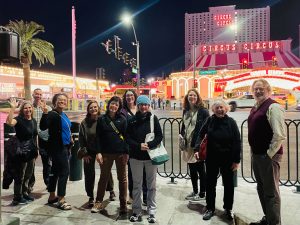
(159, 154)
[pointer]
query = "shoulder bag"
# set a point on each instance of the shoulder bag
(203, 149)
(27, 150)
(159, 154)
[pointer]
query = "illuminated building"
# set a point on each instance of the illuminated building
(225, 24)
(12, 83)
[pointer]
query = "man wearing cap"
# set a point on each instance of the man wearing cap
(138, 128)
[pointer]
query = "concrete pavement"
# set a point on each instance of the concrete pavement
(172, 209)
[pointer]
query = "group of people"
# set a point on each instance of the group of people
(119, 136)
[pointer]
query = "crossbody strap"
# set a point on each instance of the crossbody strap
(152, 123)
(114, 128)
(65, 121)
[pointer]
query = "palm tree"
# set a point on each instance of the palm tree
(42, 50)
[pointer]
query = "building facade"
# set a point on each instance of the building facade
(225, 24)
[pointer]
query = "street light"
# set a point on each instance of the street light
(127, 19)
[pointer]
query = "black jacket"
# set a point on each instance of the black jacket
(108, 141)
(223, 139)
(52, 122)
(138, 128)
(202, 115)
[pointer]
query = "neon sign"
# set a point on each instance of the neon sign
(240, 47)
(223, 19)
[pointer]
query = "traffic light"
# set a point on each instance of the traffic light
(119, 53)
(195, 83)
(274, 61)
(126, 58)
(245, 64)
(108, 46)
(132, 62)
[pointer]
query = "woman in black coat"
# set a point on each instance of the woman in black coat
(223, 155)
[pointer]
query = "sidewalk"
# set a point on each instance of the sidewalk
(172, 208)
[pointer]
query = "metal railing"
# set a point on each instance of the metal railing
(176, 168)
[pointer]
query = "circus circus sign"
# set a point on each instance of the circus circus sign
(240, 47)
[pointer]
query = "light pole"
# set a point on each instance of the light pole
(127, 19)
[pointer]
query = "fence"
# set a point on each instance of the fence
(175, 168)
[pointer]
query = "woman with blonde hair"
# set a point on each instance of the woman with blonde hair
(194, 115)
(26, 132)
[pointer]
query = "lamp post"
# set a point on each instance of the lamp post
(127, 19)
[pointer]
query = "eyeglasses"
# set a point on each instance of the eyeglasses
(259, 89)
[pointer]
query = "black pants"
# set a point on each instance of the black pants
(59, 172)
(89, 175)
(197, 171)
(213, 167)
(130, 183)
(23, 173)
(46, 161)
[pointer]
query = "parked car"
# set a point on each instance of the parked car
(244, 101)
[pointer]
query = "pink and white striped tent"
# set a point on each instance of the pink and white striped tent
(219, 58)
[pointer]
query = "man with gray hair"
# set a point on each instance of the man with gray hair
(266, 133)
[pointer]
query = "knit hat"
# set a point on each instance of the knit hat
(143, 99)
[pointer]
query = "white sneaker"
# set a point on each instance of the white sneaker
(191, 196)
(97, 207)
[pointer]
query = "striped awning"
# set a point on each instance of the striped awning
(255, 60)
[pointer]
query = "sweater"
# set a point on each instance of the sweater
(223, 139)
(87, 135)
(260, 132)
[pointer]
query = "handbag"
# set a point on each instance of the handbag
(159, 154)
(82, 152)
(203, 149)
(26, 150)
(182, 142)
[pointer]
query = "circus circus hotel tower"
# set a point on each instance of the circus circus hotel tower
(227, 48)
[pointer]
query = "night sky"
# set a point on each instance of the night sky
(159, 26)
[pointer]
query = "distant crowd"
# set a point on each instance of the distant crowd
(128, 134)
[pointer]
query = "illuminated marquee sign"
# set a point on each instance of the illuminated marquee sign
(240, 47)
(223, 19)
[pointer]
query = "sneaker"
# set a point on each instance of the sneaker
(151, 219)
(144, 202)
(91, 202)
(229, 214)
(208, 214)
(263, 221)
(19, 201)
(97, 207)
(190, 196)
(112, 196)
(135, 218)
(202, 195)
(196, 198)
(28, 198)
